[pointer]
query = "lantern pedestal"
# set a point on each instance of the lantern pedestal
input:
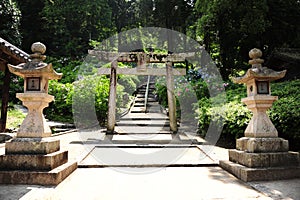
(34, 124)
(260, 125)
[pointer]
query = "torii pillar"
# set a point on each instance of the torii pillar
(111, 118)
(171, 98)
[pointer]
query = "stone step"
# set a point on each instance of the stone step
(141, 118)
(140, 96)
(149, 106)
(143, 100)
(144, 90)
(146, 111)
(120, 124)
(139, 105)
(145, 86)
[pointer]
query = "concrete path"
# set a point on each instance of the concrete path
(150, 183)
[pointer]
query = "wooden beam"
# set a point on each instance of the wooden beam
(143, 71)
(17, 56)
(2, 65)
(5, 98)
(138, 56)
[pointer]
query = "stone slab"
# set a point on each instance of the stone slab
(256, 145)
(264, 159)
(53, 177)
(33, 162)
(32, 146)
(136, 137)
(153, 156)
(260, 174)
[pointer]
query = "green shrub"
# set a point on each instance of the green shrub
(161, 92)
(129, 83)
(88, 93)
(85, 100)
(285, 113)
(203, 115)
(90, 100)
(235, 117)
(15, 118)
(68, 67)
(61, 108)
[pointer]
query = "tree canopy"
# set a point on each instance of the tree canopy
(227, 28)
(10, 21)
(230, 28)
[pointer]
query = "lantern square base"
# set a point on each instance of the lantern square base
(262, 159)
(32, 146)
(248, 174)
(260, 145)
(52, 177)
(273, 159)
(33, 161)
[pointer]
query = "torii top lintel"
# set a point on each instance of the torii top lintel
(141, 57)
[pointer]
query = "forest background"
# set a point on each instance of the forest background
(227, 29)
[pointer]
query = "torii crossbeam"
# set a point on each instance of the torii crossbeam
(142, 59)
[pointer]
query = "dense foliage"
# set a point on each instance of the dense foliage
(74, 23)
(10, 21)
(229, 28)
(285, 114)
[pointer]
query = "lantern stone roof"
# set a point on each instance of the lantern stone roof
(257, 71)
(45, 70)
(265, 74)
(13, 51)
(35, 66)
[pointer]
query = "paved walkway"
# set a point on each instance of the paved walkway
(205, 182)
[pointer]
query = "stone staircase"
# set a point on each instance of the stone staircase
(143, 138)
(146, 116)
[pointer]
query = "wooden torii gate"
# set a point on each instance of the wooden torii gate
(142, 59)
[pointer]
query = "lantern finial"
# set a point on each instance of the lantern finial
(256, 62)
(38, 50)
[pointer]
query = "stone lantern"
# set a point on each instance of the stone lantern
(36, 75)
(261, 154)
(34, 157)
(259, 99)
